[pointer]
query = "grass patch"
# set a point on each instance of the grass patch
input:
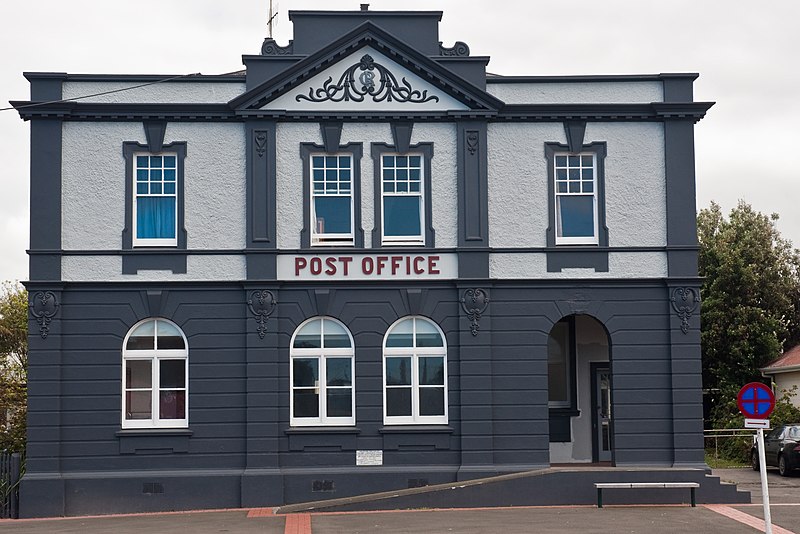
(723, 463)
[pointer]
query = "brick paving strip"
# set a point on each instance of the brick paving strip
(298, 524)
(744, 518)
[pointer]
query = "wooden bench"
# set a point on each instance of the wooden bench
(643, 485)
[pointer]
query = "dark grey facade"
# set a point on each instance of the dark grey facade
(240, 447)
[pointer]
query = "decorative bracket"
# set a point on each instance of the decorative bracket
(272, 48)
(262, 303)
(261, 143)
(44, 307)
(459, 49)
(474, 303)
(684, 302)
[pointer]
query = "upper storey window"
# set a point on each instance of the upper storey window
(155, 206)
(402, 196)
(576, 198)
(332, 199)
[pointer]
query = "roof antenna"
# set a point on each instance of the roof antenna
(272, 15)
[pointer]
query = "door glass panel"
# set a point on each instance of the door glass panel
(340, 402)
(401, 335)
(338, 371)
(398, 371)
(310, 337)
(306, 372)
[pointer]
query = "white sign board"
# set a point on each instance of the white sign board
(339, 267)
(369, 457)
(756, 423)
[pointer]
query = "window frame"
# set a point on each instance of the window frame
(321, 239)
(427, 235)
(154, 356)
(307, 234)
(130, 239)
(322, 354)
(415, 353)
(153, 241)
(598, 152)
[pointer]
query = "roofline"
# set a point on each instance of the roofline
(778, 370)
(177, 78)
(582, 78)
(368, 12)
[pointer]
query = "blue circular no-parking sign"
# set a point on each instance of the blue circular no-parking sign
(755, 400)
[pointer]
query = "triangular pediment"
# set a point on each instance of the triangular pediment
(366, 80)
(366, 71)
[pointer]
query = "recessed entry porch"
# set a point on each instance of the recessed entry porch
(580, 392)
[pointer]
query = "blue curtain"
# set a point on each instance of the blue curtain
(155, 217)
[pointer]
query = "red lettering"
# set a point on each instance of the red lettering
(381, 261)
(345, 261)
(299, 263)
(367, 265)
(396, 263)
(408, 264)
(316, 266)
(417, 268)
(432, 268)
(331, 263)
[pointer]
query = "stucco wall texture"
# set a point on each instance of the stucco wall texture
(166, 92)
(582, 92)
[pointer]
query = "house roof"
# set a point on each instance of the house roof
(788, 361)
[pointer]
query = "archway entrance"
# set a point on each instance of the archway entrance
(579, 391)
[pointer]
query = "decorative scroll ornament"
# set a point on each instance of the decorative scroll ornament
(367, 79)
(262, 304)
(44, 307)
(271, 48)
(684, 302)
(459, 49)
(261, 143)
(474, 303)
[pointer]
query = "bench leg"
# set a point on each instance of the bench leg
(599, 497)
(694, 501)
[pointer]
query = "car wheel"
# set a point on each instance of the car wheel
(783, 469)
(754, 460)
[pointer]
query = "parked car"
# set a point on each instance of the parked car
(781, 449)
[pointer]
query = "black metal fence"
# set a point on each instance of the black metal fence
(10, 467)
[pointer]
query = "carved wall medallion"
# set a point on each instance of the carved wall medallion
(261, 143)
(44, 307)
(367, 79)
(685, 301)
(472, 142)
(474, 303)
(459, 49)
(261, 303)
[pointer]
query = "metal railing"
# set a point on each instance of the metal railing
(10, 464)
(714, 437)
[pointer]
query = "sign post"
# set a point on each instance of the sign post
(756, 401)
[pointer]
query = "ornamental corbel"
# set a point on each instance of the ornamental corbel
(685, 301)
(474, 303)
(261, 304)
(43, 307)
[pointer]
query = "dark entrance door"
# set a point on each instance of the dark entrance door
(602, 439)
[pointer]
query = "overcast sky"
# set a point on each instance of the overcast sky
(746, 53)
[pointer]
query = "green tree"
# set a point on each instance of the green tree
(751, 298)
(13, 366)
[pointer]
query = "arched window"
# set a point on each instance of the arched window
(155, 367)
(321, 374)
(414, 373)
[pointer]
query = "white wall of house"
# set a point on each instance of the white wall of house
(533, 92)
(166, 92)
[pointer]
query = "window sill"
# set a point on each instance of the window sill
(322, 430)
(154, 432)
(416, 429)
